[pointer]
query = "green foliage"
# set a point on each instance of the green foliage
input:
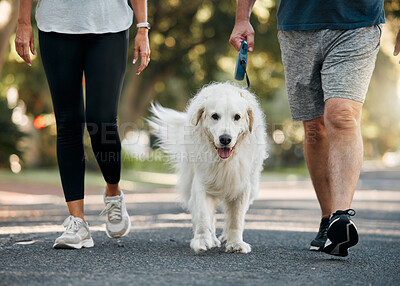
(9, 134)
(392, 8)
(158, 162)
(190, 48)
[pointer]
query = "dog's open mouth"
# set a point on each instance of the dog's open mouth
(224, 152)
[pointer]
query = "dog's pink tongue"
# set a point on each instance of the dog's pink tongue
(224, 152)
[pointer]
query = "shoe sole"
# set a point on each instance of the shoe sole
(342, 234)
(125, 233)
(85, 243)
(316, 248)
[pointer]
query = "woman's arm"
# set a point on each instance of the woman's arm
(24, 37)
(142, 46)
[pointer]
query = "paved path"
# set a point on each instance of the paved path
(279, 226)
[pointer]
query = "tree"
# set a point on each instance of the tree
(189, 43)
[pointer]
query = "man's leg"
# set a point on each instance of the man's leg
(346, 72)
(342, 123)
(316, 156)
(335, 167)
(316, 149)
(306, 101)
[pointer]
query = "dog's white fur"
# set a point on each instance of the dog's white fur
(190, 139)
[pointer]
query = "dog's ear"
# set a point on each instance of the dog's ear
(250, 119)
(199, 113)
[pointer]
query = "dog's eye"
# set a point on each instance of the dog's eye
(237, 117)
(215, 116)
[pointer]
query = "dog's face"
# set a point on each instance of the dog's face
(225, 118)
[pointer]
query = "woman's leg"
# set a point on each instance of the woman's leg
(104, 66)
(62, 57)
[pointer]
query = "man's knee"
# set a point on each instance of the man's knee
(314, 130)
(342, 114)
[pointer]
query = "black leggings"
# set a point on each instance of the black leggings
(102, 58)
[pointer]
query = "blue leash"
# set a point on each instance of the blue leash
(241, 64)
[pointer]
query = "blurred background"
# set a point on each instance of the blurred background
(189, 48)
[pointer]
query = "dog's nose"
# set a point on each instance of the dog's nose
(225, 139)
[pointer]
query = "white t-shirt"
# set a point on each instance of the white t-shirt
(83, 16)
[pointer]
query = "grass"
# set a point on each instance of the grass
(51, 176)
(46, 176)
(158, 162)
(92, 179)
(299, 171)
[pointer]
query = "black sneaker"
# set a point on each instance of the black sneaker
(319, 241)
(342, 233)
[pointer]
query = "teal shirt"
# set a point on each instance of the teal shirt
(329, 14)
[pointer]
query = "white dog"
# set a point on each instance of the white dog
(218, 147)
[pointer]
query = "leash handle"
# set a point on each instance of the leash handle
(244, 64)
(241, 64)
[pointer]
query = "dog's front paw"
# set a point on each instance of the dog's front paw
(238, 247)
(216, 242)
(204, 242)
(222, 238)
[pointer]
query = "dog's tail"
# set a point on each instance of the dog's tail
(168, 126)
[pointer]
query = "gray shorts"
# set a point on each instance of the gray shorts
(321, 64)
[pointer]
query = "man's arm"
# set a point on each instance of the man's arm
(397, 45)
(243, 29)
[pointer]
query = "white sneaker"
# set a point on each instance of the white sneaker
(76, 235)
(118, 222)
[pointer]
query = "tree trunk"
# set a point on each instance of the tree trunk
(136, 98)
(8, 10)
(139, 90)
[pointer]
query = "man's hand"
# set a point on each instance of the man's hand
(242, 31)
(24, 42)
(397, 45)
(142, 48)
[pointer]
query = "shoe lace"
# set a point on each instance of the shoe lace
(323, 229)
(113, 209)
(71, 224)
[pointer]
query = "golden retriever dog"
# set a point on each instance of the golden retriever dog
(217, 146)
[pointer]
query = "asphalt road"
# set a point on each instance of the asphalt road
(280, 226)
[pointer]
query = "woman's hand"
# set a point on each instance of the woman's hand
(142, 48)
(24, 42)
